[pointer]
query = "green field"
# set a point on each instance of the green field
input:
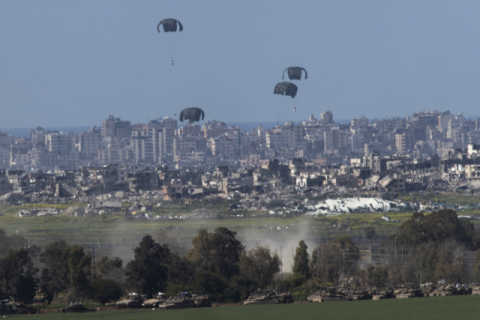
(114, 231)
(457, 307)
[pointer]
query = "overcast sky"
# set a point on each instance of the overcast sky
(72, 63)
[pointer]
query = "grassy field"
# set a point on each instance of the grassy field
(114, 230)
(446, 198)
(457, 307)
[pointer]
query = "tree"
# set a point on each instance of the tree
(17, 276)
(217, 252)
(110, 268)
(350, 254)
(429, 263)
(476, 268)
(240, 288)
(436, 227)
(293, 281)
(148, 271)
(377, 276)
(301, 260)
(55, 257)
(409, 272)
(452, 269)
(47, 286)
(13, 242)
(369, 233)
(259, 264)
(316, 263)
(443, 268)
(78, 269)
(67, 266)
(181, 271)
(104, 290)
(164, 238)
(328, 262)
(211, 284)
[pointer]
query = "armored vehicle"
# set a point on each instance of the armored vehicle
(75, 307)
(186, 300)
(409, 293)
(10, 307)
(383, 294)
(272, 297)
(133, 301)
(154, 303)
(443, 291)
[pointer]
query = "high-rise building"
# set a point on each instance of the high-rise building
(327, 116)
(404, 142)
(90, 141)
(116, 128)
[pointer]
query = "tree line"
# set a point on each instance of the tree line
(427, 249)
(219, 265)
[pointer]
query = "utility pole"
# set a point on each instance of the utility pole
(93, 256)
(281, 259)
(421, 280)
(395, 246)
(343, 268)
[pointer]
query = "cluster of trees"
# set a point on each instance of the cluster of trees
(428, 248)
(217, 265)
(433, 247)
(330, 264)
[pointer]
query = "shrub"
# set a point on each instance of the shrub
(104, 290)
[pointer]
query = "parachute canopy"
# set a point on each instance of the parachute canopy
(170, 25)
(295, 73)
(192, 114)
(286, 89)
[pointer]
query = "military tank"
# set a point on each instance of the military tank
(9, 307)
(359, 294)
(406, 293)
(159, 299)
(330, 295)
(383, 294)
(475, 290)
(272, 297)
(75, 307)
(186, 300)
(133, 301)
(444, 291)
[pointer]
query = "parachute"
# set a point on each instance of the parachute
(286, 89)
(295, 73)
(170, 41)
(170, 25)
(192, 114)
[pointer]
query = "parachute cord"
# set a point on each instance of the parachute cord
(281, 115)
(175, 41)
(298, 93)
(166, 47)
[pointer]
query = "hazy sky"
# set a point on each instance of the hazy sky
(72, 63)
